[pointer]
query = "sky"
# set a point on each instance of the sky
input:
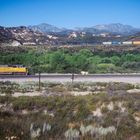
(69, 13)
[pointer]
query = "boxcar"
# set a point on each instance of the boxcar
(136, 42)
(107, 43)
(116, 43)
(127, 43)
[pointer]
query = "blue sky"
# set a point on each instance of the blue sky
(69, 13)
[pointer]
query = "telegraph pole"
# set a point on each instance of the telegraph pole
(39, 81)
(72, 76)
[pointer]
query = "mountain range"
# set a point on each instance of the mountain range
(51, 35)
(46, 28)
(111, 28)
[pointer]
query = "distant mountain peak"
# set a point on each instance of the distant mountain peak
(46, 28)
(116, 28)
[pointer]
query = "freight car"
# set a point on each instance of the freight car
(13, 70)
(136, 42)
(107, 43)
(116, 43)
(127, 43)
(112, 43)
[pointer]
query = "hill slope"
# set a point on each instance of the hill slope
(22, 35)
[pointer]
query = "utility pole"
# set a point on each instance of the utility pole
(72, 76)
(39, 81)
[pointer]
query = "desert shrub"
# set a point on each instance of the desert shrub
(119, 86)
(124, 130)
(8, 87)
(60, 111)
(29, 103)
(58, 88)
(5, 99)
(14, 126)
(104, 110)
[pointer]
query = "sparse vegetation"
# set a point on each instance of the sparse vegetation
(109, 114)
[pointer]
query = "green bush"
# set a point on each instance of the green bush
(66, 61)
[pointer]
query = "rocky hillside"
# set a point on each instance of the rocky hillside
(135, 37)
(22, 36)
(16, 36)
(51, 35)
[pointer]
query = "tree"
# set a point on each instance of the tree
(116, 60)
(86, 52)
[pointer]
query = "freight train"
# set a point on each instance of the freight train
(13, 70)
(121, 43)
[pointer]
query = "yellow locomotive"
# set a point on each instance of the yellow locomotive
(13, 70)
